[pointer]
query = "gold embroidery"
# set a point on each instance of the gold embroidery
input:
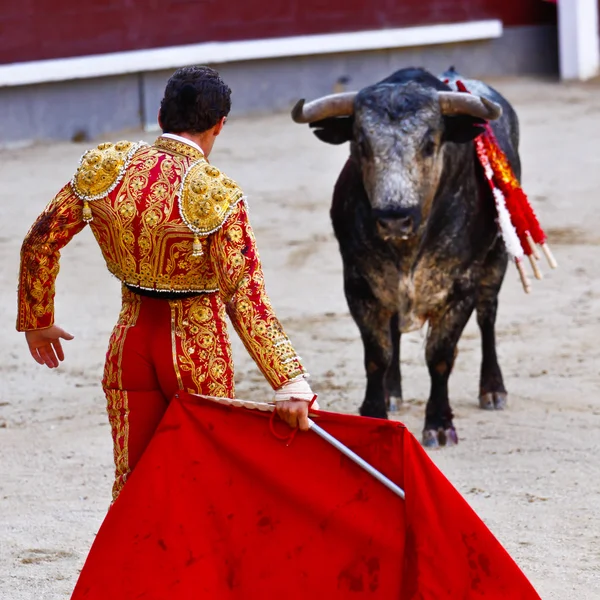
(118, 417)
(130, 310)
(202, 351)
(176, 147)
(101, 169)
(241, 282)
(172, 306)
(142, 236)
(40, 254)
(205, 200)
(117, 400)
(138, 226)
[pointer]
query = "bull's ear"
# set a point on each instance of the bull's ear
(334, 130)
(462, 128)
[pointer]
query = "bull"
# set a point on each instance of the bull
(416, 225)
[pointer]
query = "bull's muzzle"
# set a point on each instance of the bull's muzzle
(397, 224)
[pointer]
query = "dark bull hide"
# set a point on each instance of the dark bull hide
(415, 222)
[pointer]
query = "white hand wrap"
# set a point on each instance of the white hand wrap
(297, 389)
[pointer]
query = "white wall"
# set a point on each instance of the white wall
(578, 39)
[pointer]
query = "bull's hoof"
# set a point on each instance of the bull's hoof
(430, 438)
(493, 401)
(394, 403)
(434, 438)
(448, 437)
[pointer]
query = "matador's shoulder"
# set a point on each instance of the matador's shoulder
(102, 168)
(207, 198)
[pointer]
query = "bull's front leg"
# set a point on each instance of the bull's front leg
(492, 393)
(373, 321)
(393, 378)
(440, 354)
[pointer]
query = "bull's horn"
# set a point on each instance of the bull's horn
(460, 103)
(334, 105)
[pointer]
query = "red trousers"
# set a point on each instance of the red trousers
(156, 348)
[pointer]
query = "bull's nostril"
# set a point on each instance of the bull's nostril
(398, 224)
(406, 223)
(395, 227)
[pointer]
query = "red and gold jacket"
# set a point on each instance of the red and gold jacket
(166, 221)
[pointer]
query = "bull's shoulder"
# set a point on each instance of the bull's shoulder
(101, 169)
(207, 197)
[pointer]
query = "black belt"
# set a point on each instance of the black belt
(166, 295)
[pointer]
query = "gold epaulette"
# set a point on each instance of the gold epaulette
(100, 171)
(206, 199)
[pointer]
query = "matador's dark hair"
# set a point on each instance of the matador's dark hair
(196, 98)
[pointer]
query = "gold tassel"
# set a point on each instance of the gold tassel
(87, 211)
(197, 247)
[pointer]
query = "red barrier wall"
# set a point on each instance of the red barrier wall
(43, 29)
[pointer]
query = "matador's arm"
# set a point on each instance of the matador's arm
(40, 253)
(235, 259)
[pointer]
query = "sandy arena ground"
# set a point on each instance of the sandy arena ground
(531, 472)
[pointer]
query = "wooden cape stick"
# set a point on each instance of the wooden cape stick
(263, 406)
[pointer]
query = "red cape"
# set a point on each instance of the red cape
(218, 508)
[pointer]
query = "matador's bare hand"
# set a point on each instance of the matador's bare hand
(292, 401)
(294, 413)
(45, 346)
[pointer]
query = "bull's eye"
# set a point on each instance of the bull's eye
(428, 148)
